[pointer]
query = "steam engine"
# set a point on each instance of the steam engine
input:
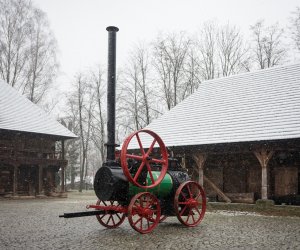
(142, 183)
(111, 183)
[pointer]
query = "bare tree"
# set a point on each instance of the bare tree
(136, 91)
(164, 71)
(268, 46)
(14, 26)
(71, 147)
(170, 54)
(98, 125)
(27, 48)
(232, 51)
(42, 64)
(192, 71)
(83, 97)
(142, 59)
(129, 101)
(207, 47)
(295, 27)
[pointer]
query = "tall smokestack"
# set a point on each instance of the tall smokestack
(111, 92)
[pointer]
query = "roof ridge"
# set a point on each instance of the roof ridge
(252, 72)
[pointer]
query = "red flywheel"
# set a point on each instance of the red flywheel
(145, 157)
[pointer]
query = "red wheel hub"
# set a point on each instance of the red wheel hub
(192, 203)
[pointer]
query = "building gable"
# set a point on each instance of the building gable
(17, 113)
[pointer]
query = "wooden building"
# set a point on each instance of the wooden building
(240, 135)
(29, 157)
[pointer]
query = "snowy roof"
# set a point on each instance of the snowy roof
(17, 113)
(255, 106)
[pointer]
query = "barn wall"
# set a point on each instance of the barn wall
(6, 179)
(240, 175)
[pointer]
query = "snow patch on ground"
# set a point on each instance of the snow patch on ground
(235, 213)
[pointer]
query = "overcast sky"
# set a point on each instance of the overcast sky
(79, 25)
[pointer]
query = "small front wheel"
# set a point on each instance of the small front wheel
(144, 212)
(111, 218)
(190, 203)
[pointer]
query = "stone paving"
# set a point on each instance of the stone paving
(34, 224)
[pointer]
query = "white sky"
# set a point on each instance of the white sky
(79, 25)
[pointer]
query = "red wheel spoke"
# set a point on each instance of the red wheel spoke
(162, 218)
(183, 195)
(198, 196)
(118, 216)
(187, 219)
(140, 202)
(158, 161)
(107, 222)
(150, 172)
(140, 144)
(112, 217)
(183, 202)
(139, 171)
(141, 223)
(182, 211)
(147, 203)
(193, 218)
(190, 193)
(137, 221)
(136, 157)
(197, 209)
(151, 147)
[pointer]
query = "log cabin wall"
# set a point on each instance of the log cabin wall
(29, 164)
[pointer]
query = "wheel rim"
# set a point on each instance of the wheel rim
(144, 159)
(144, 212)
(108, 219)
(190, 203)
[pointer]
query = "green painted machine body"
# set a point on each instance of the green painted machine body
(162, 190)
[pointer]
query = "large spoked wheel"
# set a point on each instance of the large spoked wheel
(144, 212)
(111, 219)
(190, 203)
(144, 158)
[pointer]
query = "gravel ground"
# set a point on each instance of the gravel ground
(34, 224)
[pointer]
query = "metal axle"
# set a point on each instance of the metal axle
(86, 213)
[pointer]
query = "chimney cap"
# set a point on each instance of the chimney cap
(112, 28)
